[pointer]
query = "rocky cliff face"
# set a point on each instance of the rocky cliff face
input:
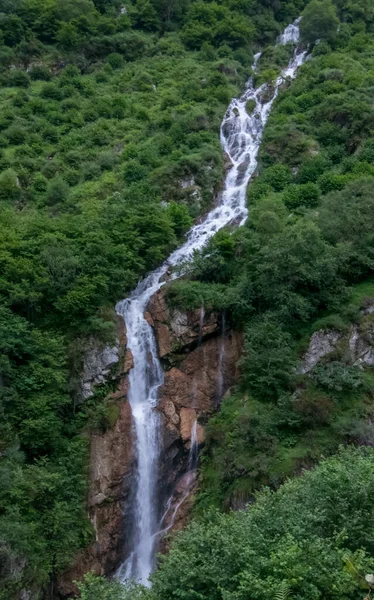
(111, 468)
(354, 347)
(200, 361)
(200, 358)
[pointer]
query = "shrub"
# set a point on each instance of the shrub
(278, 176)
(268, 359)
(115, 60)
(303, 534)
(57, 191)
(319, 21)
(52, 91)
(330, 181)
(40, 72)
(16, 134)
(306, 194)
(337, 377)
(10, 188)
(39, 183)
(18, 78)
(133, 171)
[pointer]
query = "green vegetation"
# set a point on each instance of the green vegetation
(303, 262)
(303, 535)
(311, 537)
(109, 149)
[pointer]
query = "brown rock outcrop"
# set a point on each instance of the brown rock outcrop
(188, 418)
(111, 468)
(175, 329)
(203, 376)
(204, 366)
(200, 366)
(177, 517)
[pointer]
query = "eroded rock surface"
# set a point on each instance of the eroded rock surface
(111, 472)
(321, 343)
(98, 362)
(176, 330)
(357, 344)
(201, 364)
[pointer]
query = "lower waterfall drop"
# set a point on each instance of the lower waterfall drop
(241, 135)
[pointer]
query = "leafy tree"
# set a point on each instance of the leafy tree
(353, 225)
(10, 188)
(268, 359)
(98, 588)
(319, 21)
(301, 535)
(57, 191)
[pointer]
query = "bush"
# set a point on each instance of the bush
(16, 134)
(268, 359)
(51, 91)
(39, 183)
(40, 72)
(99, 588)
(57, 191)
(306, 194)
(133, 171)
(278, 176)
(10, 188)
(337, 377)
(319, 21)
(115, 60)
(18, 79)
(303, 535)
(329, 182)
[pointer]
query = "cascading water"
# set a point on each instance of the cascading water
(240, 138)
(190, 478)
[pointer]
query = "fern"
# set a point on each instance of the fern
(283, 591)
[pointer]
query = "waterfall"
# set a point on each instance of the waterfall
(190, 478)
(240, 138)
(194, 448)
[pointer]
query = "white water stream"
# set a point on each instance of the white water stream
(240, 138)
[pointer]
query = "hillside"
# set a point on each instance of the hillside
(109, 152)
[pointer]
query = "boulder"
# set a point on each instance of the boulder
(321, 343)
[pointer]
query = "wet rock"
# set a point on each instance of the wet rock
(168, 408)
(112, 463)
(188, 418)
(149, 319)
(169, 432)
(179, 509)
(158, 308)
(129, 361)
(163, 339)
(187, 182)
(176, 388)
(227, 162)
(176, 329)
(267, 93)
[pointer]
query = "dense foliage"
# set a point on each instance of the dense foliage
(109, 148)
(311, 538)
(302, 535)
(302, 263)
